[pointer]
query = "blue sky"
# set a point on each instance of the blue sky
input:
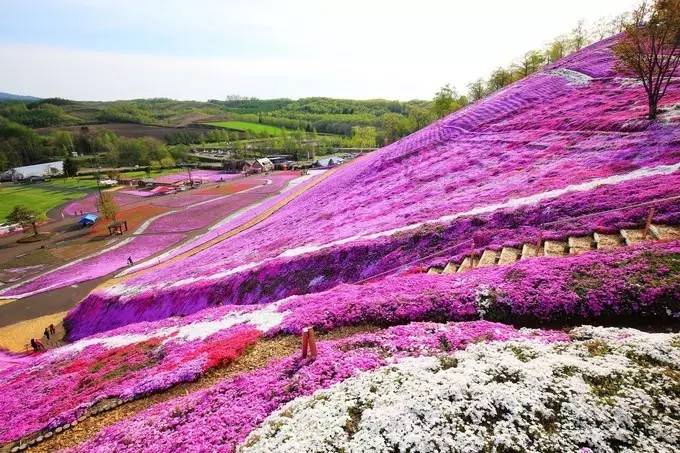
(88, 49)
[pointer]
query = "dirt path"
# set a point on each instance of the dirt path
(47, 303)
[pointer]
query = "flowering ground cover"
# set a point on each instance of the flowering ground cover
(223, 415)
(89, 203)
(199, 175)
(160, 232)
(324, 269)
(565, 152)
(568, 140)
(47, 390)
(97, 265)
(629, 284)
(609, 390)
(639, 282)
(240, 217)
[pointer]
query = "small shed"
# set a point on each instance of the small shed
(262, 165)
(88, 220)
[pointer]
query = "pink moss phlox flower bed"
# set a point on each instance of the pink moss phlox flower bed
(198, 175)
(158, 235)
(97, 265)
(558, 130)
(223, 415)
(238, 218)
(322, 270)
(636, 283)
(46, 390)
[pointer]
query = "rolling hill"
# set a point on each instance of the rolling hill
(568, 141)
(16, 97)
(450, 278)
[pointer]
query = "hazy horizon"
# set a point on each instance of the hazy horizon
(114, 50)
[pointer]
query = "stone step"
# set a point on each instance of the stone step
(529, 251)
(509, 255)
(633, 236)
(489, 258)
(665, 232)
(434, 270)
(579, 244)
(467, 264)
(450, 268)
(554, 248)
(608, 241)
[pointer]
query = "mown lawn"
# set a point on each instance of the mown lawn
(251, 127)
(44, 196)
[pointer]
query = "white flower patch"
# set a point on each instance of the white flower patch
(483, 300)
(262, 319)
(611, 391)
(573, 77)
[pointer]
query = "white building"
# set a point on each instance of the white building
(47, 169)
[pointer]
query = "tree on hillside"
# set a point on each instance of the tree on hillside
(556, 49)
(70, 167)
(650, 48)
(63, 140)
(445, 101)
(579, 36)
(499, 78)
(529, 63)
(419, 116)
(25, 216)
(363, 137)
(394, 127)
(107, 206)
(476, 90)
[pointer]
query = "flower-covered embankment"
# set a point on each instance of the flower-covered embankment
(635, 283)
(46, 390)
(222, 416)
(609, 390)
(571, 139)
(570, 214)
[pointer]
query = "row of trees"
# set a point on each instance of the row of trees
(535, 59)
(649, 50)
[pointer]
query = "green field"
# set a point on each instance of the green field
(243, 126)
(48, 195)
(42, 196)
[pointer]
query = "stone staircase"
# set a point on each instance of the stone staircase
(573, 245)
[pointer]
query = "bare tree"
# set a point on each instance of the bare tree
(650, 47)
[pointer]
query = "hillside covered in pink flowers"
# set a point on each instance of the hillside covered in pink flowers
(573, 351)
(568, 141)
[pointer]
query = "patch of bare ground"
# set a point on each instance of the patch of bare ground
(257, 356)
(17, 337)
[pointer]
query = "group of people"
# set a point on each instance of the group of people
(37, 344)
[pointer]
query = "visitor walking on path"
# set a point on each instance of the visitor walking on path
(34, 345)
(39, 346)
(129, 260)
(53, 331)
(47, 333)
